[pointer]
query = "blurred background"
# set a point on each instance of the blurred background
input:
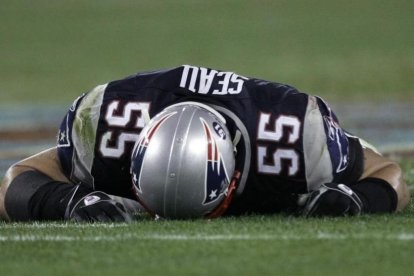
(343, 50)
(358, 55)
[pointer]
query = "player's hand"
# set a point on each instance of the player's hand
(96, 207)
(333, 199)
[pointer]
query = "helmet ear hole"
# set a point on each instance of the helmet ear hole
(183, 162)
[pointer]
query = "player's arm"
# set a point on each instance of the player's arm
(368, 183)
(37, 189)
(378, 168)
(45, 162)
(380, 189)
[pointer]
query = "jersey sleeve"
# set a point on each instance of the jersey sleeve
(330, 154)
(77, 135)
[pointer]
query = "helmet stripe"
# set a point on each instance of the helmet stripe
(215, 173)
(140, 149)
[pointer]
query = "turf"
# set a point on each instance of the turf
(250, 245)
(55, 50)
(51, 51)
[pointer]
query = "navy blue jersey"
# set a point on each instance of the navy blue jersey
(291, 142)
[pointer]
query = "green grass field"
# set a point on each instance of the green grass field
(51, 51)
(254, 245)
(251, 245)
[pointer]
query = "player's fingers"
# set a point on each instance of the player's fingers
(102, 217)
(80, 216)
(117, 215)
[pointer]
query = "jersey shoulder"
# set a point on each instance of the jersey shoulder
(273, 94)
(165, 79)
(77, 136)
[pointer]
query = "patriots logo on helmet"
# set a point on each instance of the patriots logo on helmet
(216, 175)
(141, 147)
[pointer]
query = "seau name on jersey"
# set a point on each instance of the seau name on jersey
(203, 80)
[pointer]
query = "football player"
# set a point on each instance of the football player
(218, 144)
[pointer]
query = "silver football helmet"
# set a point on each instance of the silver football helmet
(183, 163)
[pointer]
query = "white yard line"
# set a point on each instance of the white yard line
(183, 237)
(403, 236)
(51, 225)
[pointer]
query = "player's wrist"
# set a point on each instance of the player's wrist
(35, 196)
(377, 195)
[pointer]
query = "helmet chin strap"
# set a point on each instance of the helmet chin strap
(236, 140)
(220, 209)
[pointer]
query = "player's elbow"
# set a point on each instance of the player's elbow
(8, 177)
(11, 174)
(400, 186)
